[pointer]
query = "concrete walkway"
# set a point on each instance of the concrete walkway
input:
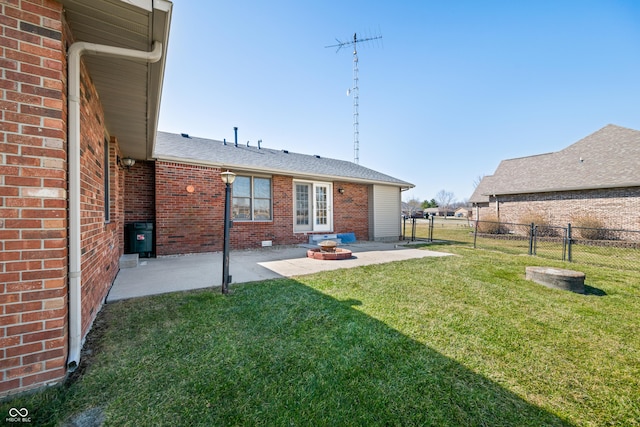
(185, 272)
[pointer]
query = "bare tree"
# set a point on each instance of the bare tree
(445, 199)
(414, 206)
(476, 181)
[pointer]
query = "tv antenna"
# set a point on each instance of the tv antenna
(355, 89)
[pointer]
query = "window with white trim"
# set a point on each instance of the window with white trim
(251, 199)
(313, 206)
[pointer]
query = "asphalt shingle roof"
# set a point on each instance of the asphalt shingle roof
(608, 158)
(176, 147)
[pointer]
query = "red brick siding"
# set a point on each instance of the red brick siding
(194, 222)
(617, 208)
(139, 199)
(350, 212)
(188, 222)
(33, 219)
(33, 197)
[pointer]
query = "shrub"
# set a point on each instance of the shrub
(490, 224)
(589, 227)
(543, 226)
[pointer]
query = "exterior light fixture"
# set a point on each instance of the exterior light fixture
(125, 162)
(341, 190)
(128, 162)
(228, 178)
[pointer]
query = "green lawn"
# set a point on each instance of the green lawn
(452, 341)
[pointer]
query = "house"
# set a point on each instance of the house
(597, 176)
(462, 212)
(80, 91)
(79, 102)
(439, 212)
(279, 197)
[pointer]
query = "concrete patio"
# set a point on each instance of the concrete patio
(185, 272)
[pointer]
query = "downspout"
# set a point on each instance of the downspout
(76, 50)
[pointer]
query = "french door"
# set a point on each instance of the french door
(313, 210)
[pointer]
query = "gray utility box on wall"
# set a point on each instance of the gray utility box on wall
(139, 235)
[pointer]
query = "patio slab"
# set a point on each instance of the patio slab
(186, 272)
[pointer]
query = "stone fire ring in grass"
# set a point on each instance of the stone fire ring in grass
(557, 278)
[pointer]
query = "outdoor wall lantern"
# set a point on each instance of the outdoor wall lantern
(341, 190)
(127, 162)
(227, 178)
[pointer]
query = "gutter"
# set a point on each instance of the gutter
(76, 50)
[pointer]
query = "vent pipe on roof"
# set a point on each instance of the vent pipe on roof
(259, 142)
(235, 129)
(224, 141)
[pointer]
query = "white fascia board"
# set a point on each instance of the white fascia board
(149, 5)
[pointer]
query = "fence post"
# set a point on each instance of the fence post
(413, 229)
(569, 242)
(431, 228)
(531, 239)
(475, 234)
(404, 227)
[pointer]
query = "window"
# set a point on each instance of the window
(251, 199)
(105, 174)
(312, 207)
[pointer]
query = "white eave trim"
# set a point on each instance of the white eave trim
(150, 5)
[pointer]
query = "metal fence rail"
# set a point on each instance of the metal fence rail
(617, 248)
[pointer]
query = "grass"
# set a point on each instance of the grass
(452, 341)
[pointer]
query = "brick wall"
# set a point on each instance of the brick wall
(351, 209)
(194, 222)
(33, 235)
(617, 208)
(139, 197)
(33, 197)
(188, 222)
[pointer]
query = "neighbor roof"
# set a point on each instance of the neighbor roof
(188, 149)
(608, 158)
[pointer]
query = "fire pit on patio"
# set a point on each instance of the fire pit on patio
(329, 251)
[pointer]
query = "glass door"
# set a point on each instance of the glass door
(322, 207)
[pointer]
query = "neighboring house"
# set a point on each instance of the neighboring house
(279, 197)
(432, 211)
(70, 111)
(439, 212)
(598, 176)
(462, 212)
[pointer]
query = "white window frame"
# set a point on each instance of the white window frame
(252, 198)
(314, 227)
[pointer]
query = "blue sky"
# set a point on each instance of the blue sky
(453, 87)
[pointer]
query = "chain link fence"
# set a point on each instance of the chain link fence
(617, 248)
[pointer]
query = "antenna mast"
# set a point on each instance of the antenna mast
(355, 89)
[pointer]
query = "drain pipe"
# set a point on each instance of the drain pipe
(76, 50)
